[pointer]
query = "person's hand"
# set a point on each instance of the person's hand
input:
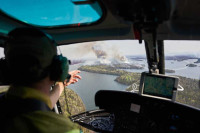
(74, 77)
(59, 86)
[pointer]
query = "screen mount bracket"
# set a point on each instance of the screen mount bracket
(151, 47)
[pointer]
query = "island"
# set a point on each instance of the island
(180, 57)
(169, 71)
(124, 77)
(127, 66)
(191, 65)
(198, 61)
(102, 69)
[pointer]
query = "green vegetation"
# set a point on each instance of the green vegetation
(191, 93)
(128, 78)
(72, 104)
(102, 69)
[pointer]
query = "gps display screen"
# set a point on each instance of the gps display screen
(159, 86)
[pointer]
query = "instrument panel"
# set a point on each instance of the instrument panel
(133, 113)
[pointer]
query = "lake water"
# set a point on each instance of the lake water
(179, 66)
(92, 82)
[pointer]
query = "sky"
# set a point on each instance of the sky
(129, 47)
(125, 47)
(183, 47)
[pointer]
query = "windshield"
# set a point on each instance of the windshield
(53, 12)
(117, 65)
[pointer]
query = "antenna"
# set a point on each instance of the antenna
(59, 50)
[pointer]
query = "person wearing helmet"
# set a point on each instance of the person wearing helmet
(32, 66)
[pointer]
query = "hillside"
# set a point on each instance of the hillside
(72, 104)
(191, 93)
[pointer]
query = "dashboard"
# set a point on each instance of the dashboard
(133, 113)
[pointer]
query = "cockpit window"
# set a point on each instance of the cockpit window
(53, 12)
(117, 65)
(3, 88)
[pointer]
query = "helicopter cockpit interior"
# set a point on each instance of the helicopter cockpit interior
(154, 107)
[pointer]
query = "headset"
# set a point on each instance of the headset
(60, 68)
(60, 65)
(57, 70)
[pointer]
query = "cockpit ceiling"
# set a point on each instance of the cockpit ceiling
(181, 22)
